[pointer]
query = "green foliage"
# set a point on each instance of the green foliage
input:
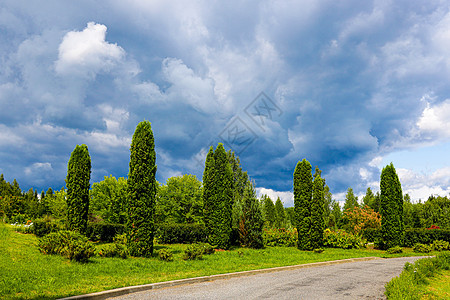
(303, 187)
(327, 207)
(141, 191)
(251, 221)
(424, 236)
(180, 200)
(422, 248)
(69, 244)
(335, 220)
(47, 225)
(193, 252)
(280, 214)
(436, 211)
(77, 181)
(439, 245)
(410, 282)
(342, 239)
(108, 199)
(209, 196)
(391, 209)
(317, 221)
(280, 237)
(269, 210)
(371, 234)
(113, 250)
(104, 232)
(395, 249)
(165, 255)
(181, 233)
(351, 200)
(318, 250)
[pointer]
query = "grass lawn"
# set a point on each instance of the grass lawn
(25, 273)
(439, 287)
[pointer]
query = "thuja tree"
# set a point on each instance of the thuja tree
(302, 202)
(280, 214)
(208, 192)
(141, 191)
(77, 182)
(269, 210)
(317, 207)
(391, 208)
(251, 221)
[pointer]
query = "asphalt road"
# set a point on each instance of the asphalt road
(356, 280)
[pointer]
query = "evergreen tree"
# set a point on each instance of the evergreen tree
(302, 202)
(351, 200)
(251, 221)
(77, 182)
(317, 221)
(280, 214)
(141, 191)
(208, 191)
(391, 209)
(223, 197)
(269, 210)
(335, 216)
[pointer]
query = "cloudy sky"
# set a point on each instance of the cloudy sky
(349, 85)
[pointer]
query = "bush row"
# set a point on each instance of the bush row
(280, 237)
(412, 236)
(180, 233)
(69, 244)
(342, 239)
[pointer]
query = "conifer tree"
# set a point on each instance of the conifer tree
(351, 200)
(302, 202)
(77, 181)
(280, 214)
(208, 192)
(391, 208)
(251, 221)
(317, 207)
(269, 210)
(141, 191)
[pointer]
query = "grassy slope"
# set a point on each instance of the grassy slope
(25, 273)
(439, 287)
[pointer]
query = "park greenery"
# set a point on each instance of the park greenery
(185, 219)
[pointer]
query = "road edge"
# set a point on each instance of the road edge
(158, 285)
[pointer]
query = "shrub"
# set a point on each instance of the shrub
(441, 245)
(46, 225)
(424, 236)
(104, 232)
(393, 250)
(165, 254)
(206, 248)
(71, 245)
(318, 250)
(180, 233)
(280, 237)
(371, 234)
(113, 250)
(422, 248)
(342, 239)
(193, 252)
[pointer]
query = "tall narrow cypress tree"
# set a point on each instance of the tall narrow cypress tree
(77, 181)
(317, 207)
(280, 214)
(302, 203)
(208, 191)
(391, 208)
(141, 191)
(223, 197)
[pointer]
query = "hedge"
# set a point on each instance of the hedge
(181, 233)
(424, 236)
(45, 226)
(104, 232)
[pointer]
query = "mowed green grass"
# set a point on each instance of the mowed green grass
(25, 273)
(438, 287)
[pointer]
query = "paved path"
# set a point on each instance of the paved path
(356, 280)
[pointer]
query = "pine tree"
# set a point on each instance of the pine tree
(251, 221)
(269, 211)
(391, 209)
(302, 202)
(280, 214)
(141, 191)
(208, 192)
(77, 181)
(317, 207)
(351, 200)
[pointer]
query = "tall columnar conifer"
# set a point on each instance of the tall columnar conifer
(251, 221)
(391, 208)
(317, 207)
(77, 181)
(280, 214)
(208, 191)
(302, 202)
(141, 191)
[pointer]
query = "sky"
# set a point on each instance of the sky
(349, 85)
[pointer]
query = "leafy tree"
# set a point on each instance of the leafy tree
(180, 200)
(269, 210)
(436, 211)
(412, 213)
(302, 202)
(251, 220)
(108, 199)
(77, 181)
(358, 219)
(317, 204)
(141, 191)
(391, 208)
(350, 200)
(280, 214)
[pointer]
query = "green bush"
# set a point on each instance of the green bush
(180, 233)
(422, 248)
(393, 250)
(424, 236)
(342, 239)
(193, 252)
(371, 234)
(69, 244)
(165, 254)
(318, 250)
(441, 245)
(113, 250)
(46, 225)
(280, 237)
(104, 232)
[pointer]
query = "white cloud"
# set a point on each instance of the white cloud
(86, 53)
(435, 120)
(286, 197)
